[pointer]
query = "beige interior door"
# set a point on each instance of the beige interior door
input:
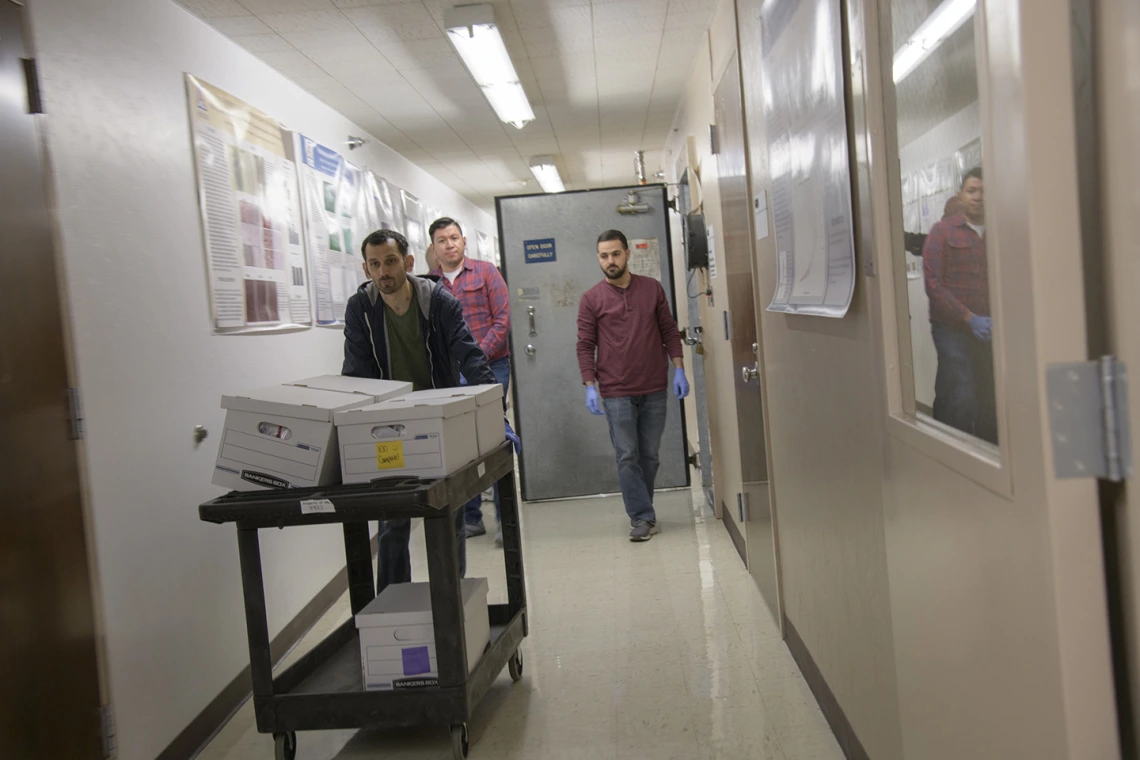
(1116, 31)
(750, 513)
(996, 567)
(49, 685)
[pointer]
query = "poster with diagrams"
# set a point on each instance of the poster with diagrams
(645, 258)
(386, 204)
(808, 157)
(415, 229)
(338, 214)
(251, 215)
(484, 247)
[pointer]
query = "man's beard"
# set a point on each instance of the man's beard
(392, 287)
(612, 276)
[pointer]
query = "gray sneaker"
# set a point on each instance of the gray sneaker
(643, 530)
(476, 529)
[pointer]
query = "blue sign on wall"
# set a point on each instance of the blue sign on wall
(538, 251)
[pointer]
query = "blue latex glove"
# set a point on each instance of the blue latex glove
(982, 327)
(513, 437)
(592, 400)
(680, 383)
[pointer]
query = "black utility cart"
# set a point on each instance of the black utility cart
(325, 688)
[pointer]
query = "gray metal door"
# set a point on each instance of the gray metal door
(49, 679)
(753, 510)
(566, 450)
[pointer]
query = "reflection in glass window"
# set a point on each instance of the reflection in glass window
(943, 213)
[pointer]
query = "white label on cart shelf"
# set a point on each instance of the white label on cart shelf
(482, 469)
(313, 506)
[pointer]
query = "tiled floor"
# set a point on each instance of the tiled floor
(655, 651)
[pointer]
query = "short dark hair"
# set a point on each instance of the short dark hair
(442, 223)
(613, 235)
(975, 173)
(380, 237)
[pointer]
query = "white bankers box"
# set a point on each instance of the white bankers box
(397, 638)
(281, 437)
(413, 435)
(378, 390)
(489, 421)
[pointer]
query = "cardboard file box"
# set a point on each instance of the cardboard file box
(397, 640)
(489, 425)
(377, 390)
(281, 437)
(413, 435)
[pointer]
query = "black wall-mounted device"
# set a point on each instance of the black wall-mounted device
(696, 242)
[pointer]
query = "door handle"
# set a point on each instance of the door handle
(531, 350)
(748, 374)
(530, 318)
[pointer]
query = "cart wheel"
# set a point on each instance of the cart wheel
(285, 746)
(515, 666)
(459, 741)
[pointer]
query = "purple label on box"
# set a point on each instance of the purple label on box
(416, 661)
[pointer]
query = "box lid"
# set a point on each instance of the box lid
(409, 407)
(294, 401)
(410, 604)
(377, 389)
(483, 394)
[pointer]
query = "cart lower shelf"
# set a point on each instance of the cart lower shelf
(325, 689)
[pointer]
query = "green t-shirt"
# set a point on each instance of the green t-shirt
(407, 353)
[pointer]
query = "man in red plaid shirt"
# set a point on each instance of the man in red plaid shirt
(957, 282)
(482, 293)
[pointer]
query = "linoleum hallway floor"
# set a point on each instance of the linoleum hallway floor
(654, 651)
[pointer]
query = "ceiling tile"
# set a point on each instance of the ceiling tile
(306, 41)
(689, 19)
(543, 17)
(263, 43)
(234, 26)
(262, 7)
(308, 21)
(292, 63)
(208, 9)
(392, 23)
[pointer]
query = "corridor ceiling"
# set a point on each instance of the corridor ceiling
(604, 79)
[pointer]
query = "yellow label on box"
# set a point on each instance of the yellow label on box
(390, 455)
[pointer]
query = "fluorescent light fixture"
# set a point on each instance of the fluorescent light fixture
(544, 170)
(475, 36)
(946, 19)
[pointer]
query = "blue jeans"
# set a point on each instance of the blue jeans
(394, 562)
(474, 508)
(636, 426)
(964, 385)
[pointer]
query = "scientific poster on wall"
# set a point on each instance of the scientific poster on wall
(807, 153)
(338, 211)
(385, 205)
(415, 229)
(483, 246)
(251, 216)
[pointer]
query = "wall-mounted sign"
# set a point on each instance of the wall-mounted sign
(539, 251)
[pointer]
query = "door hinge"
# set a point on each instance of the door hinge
(714, 139)
(1088, 419)
(107, 731)
(742, 507)
(32, 82)
(75, 415)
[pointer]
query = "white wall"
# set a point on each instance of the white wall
(147, 365)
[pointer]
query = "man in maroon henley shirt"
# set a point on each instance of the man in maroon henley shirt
(626, 337)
